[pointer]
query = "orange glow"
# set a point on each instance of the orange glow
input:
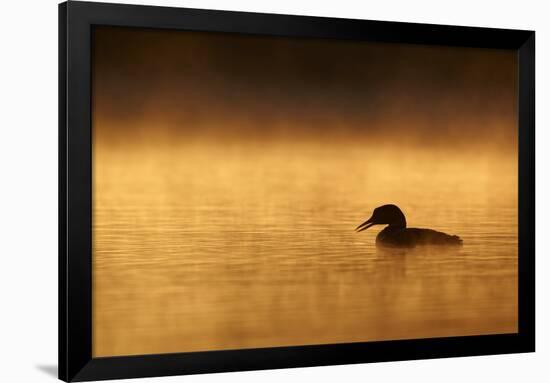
(228, 222)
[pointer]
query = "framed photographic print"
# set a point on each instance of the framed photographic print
(246, 191)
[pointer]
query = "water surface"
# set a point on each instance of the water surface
(226, 245)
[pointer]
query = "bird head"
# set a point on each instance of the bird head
(384, 215)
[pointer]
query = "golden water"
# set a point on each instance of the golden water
(207, 245)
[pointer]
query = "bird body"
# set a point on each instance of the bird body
(411, 237)
(397, 234)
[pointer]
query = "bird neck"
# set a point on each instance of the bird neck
(399, 223)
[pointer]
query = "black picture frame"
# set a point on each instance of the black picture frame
(76, 21)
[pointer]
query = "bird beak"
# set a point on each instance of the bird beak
(365, 225)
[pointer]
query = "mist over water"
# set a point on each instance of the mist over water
(209, 246)
(230, 171)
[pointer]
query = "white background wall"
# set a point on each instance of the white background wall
(28, 189)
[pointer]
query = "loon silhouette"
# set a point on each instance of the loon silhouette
(396, 234)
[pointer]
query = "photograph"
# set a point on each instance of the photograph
(256, 191)
(277, 191)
